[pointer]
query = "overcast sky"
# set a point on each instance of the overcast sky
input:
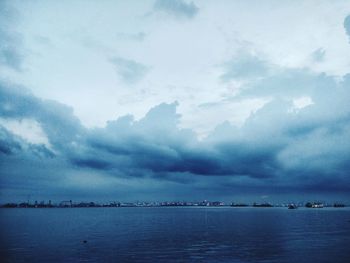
(175, 99)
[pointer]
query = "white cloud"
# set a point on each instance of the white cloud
(302, 102)
(28, 129)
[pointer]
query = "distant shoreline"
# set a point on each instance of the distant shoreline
(202, 204)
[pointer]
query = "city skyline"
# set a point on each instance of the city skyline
(183, 203)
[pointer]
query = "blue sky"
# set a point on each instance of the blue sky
(174, 99)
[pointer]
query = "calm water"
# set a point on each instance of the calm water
(175, 235)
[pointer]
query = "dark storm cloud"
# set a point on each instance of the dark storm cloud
(156, 144)
(92, 163)
(8, 145)
(152, 145)
(178, 8)
(57, 120)
(11, 144)
(276, 147)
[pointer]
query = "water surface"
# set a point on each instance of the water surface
(175, 235)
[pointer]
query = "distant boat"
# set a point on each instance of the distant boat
(292, 206)
(338, 205)
(314, 205)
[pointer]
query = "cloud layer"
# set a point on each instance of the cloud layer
(278, 146)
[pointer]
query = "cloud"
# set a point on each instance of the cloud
(177, 8)
(154, 145)
(56, 120)
(140, 36)
(27, 129)
(281, 125)
(306, 149)
(8, 144)
(244, 66)
(129, 70)
(11, 47)
(318, 55)
(347, 25)
(10, 52)
(11, 145)
(288, 83)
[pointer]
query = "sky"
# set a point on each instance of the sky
(175, 100)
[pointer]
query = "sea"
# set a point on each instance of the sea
(175, 234)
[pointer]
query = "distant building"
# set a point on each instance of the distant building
(65, 203)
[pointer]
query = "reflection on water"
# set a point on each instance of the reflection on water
(175, 235)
